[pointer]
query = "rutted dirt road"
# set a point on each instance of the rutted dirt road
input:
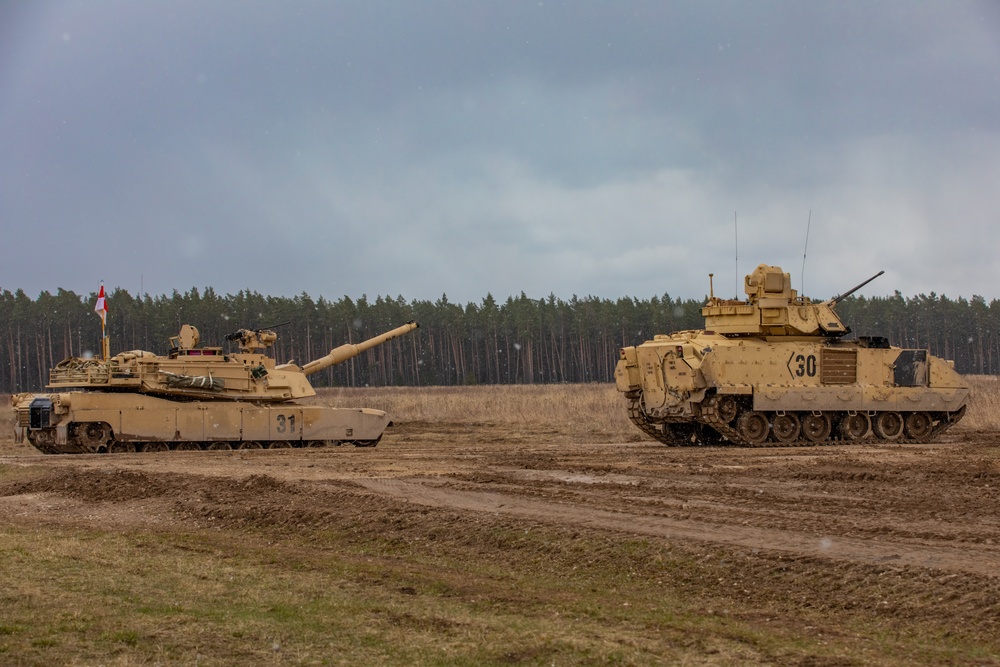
(931, 506)
(908, 532)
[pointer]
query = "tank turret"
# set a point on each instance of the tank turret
(193, 395)
(207, 373)
(773, 308)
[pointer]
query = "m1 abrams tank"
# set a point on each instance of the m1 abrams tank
(776, 370)
(193, 398)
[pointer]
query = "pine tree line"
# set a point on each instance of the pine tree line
(520, 340)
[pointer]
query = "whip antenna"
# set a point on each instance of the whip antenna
(804, 250)
(736, 249)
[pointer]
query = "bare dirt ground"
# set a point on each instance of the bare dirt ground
(931, 506)
(824, 542)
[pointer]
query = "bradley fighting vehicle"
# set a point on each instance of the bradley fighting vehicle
(776, 370)
(193, 398)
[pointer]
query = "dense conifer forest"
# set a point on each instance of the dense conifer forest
(518, 340)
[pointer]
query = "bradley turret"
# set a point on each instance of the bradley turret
(194, 397)
(773, 308)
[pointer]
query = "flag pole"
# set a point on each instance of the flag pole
(101, 308)
(105, 343)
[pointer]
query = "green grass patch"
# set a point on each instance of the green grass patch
(225, 598)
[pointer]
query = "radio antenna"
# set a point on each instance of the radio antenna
(802, 292)
(736, 249)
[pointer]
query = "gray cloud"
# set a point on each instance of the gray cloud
(418, 149)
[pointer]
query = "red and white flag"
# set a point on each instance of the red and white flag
(101, 307)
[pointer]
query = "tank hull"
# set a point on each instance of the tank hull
(98, 422)
(702, 387)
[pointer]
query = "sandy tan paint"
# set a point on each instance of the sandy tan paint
(193, 398)
(777, 369)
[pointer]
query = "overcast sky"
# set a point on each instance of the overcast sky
(464, 148)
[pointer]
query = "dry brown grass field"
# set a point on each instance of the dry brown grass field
(587, 412)
(526, 525)
(590, 411)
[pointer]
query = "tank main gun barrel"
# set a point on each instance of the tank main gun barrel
(837, 299)
(348, 351)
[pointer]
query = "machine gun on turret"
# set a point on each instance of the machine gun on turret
(252, 340)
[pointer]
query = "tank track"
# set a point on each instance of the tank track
(44, 447)
(659, 432)
(712, 418)
(945, 424)
(684, 434)
(115, 447)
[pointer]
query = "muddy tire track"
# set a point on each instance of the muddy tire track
(983, 561)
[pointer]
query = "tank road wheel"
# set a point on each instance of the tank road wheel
(854, 427)
(119, 447)
(785, 428)
(220, 446)
(187, 447)
(156, 447)
(250, 444)
(816, 428)
(279, 444)
(753, 426)
(726, 408)
(366, 443)
(93, 435)
(888, 426)
(918, 425)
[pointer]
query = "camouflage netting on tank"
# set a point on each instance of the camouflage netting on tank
(76, 363)
(175, 381)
